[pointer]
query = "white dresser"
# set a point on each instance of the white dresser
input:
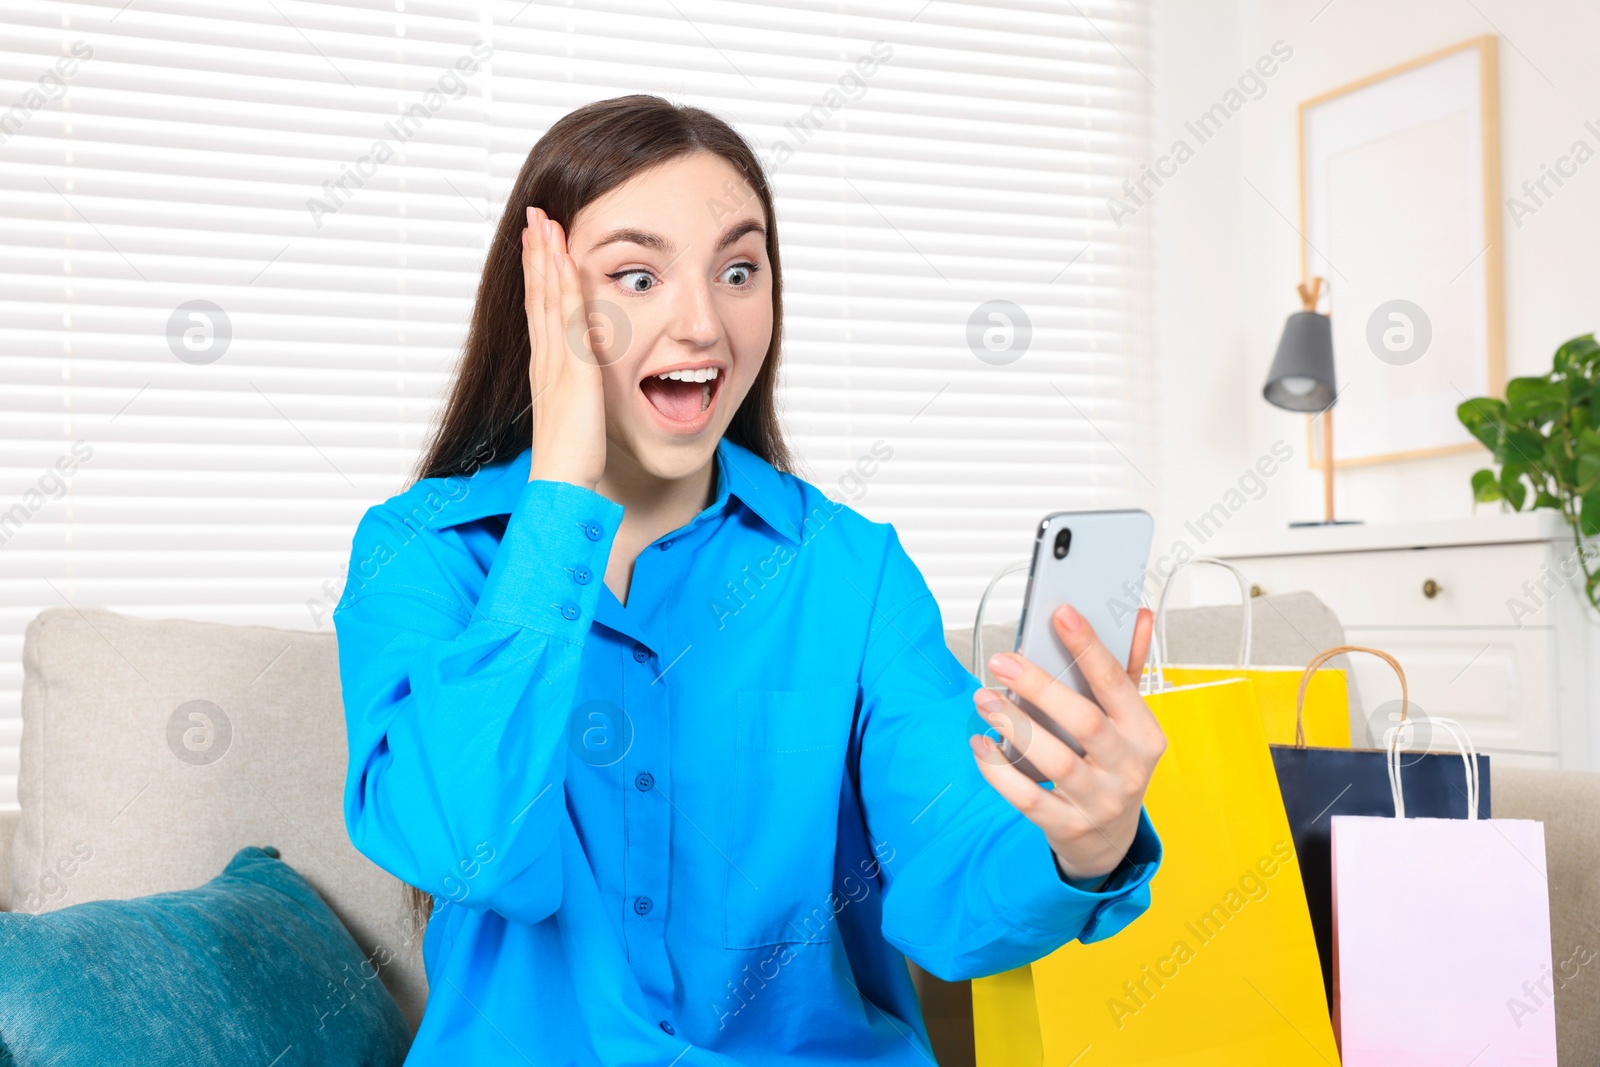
(1476, 611)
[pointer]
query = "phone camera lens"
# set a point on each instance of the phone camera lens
(1063, 542)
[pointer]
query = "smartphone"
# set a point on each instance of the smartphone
(1094, 560)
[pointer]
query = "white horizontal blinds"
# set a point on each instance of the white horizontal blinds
(971, 164)
(170, 156)
(173, 162)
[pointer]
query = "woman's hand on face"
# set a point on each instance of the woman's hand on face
(1092, 813)
(569, 414)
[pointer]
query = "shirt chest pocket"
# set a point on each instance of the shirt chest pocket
(788, 773)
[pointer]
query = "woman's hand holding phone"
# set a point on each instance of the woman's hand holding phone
(1091, 814)
(569, 414)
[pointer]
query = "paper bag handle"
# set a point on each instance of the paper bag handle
(1158, 644)
(1469, 757)
(977, 617)
(1324, 656)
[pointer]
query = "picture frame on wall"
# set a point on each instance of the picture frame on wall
(1412, 268)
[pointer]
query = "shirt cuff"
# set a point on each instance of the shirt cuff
(1042, 900)
(552, 559)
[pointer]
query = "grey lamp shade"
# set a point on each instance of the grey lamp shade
(1301, 378)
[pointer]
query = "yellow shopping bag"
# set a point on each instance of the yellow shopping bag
(1005, 1020)
(1222, 970)
(1327, 704)
(1327, 713)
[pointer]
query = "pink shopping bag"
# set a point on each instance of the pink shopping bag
(1441, 932)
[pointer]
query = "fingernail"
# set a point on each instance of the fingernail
(1004, 665)
(530, 214)
(547, 229)
(988, 702)
(1069, 617)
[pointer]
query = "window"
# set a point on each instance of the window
(215, 358)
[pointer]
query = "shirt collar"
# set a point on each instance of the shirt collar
(494, 490)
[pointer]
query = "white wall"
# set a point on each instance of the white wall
(1226, 262)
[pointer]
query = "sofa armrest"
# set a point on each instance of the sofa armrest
(8, 830)
(1568, 803)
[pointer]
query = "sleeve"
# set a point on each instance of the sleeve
(456, 713)
(971, 885)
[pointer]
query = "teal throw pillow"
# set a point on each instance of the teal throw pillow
(250, 968)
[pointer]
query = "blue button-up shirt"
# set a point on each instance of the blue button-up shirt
(699, 829)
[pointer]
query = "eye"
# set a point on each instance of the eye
(642, 281)
(745, 269)
(633, 286)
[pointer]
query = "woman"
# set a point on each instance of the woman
(669, 741)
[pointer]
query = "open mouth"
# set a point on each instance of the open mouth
(683, 396)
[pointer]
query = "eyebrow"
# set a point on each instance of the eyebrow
(660, 244)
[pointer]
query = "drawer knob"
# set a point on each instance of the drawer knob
(1256, 590)
(1430, 588)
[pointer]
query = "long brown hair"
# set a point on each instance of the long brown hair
(585, 155)
(488, 416)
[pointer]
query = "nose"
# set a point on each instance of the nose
(694, 318)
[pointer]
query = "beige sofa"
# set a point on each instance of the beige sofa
(153, 750)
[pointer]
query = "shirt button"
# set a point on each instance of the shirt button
(644, 780)
(641, 905)
(641, 653)
(667, 1026)
(665, 545)
(582, 575)
(594, 531)
(570, 611)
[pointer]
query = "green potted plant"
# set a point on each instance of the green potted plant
(1545, 439)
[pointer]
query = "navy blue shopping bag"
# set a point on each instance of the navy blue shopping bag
(1319, 783)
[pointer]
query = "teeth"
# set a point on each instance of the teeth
(704, 374)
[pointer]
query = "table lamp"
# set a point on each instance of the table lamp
(1302, 379)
